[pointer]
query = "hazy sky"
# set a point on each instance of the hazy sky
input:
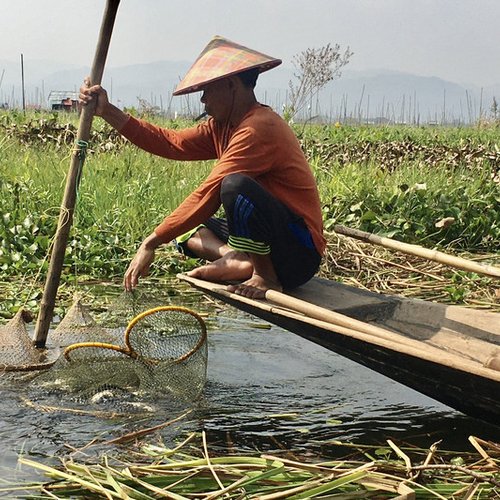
(457, 40)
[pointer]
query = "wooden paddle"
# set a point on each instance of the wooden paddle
(434, 255)
(72, 181)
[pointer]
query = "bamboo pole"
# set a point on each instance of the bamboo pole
(329, 316)
(23, 93)
(434, 255)
(333, 318)
(292, 307)
(72, 181)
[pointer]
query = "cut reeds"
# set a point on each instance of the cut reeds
(374, 268)
(402, 473)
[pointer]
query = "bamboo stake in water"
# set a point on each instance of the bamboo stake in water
(434, 255)
(68, 204)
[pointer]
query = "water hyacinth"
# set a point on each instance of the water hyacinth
(369, 177)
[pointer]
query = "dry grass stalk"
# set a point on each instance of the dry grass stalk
(409, 472)
(374, 268)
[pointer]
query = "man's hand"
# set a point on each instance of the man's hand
(90, 93)
(114, 116)
(139, 267)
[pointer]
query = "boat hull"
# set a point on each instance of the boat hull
(458, 379)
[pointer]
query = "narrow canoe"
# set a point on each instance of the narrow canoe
(449, 353)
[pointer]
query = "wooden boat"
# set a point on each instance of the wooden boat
(449, 353)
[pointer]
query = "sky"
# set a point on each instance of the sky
(457, 40)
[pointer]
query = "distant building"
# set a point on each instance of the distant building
(64, 100)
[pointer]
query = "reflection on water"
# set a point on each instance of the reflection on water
(267, 390)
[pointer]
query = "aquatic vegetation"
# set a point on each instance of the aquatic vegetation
(190, 470)
(438, 187)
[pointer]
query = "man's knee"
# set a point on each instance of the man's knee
(234, 184)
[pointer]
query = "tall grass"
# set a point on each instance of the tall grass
(122, 196)
(398, 181)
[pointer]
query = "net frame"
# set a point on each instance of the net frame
(129, 349)
(100, 345)
(140, 317)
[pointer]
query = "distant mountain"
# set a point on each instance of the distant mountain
(357, 95)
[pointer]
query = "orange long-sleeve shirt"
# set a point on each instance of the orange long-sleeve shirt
(262, 147)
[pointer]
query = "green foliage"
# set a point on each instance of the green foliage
(24, 236)
(402, 182)
(397, 181)
(121, 198)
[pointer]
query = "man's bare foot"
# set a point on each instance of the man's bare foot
(255, 288)
(232, 266)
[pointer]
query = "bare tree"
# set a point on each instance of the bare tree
(147, 108)
(315, 68)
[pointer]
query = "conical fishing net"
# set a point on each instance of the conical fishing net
(17, 352)
(79, 326)
(163, 351)
(16, 347)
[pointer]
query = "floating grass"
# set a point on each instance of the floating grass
(190, 471)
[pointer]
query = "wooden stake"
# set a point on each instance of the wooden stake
(72, 182)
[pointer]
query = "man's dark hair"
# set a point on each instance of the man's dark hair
(249, 77)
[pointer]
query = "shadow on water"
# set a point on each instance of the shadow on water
(267, 390)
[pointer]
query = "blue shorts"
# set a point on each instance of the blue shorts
(256, 222)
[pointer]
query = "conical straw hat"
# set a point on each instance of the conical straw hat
(222, 58)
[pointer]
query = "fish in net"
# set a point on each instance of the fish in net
(164, 352)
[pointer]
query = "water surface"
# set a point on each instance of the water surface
(267, 390)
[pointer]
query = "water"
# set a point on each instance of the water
(267, 390)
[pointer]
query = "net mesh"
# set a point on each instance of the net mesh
(171, 341)
(124, 307)
(78, 325)
(89, 371)
(163, 351)
(16, 348)
(164, 334)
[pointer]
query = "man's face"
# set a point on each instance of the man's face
(217, 98)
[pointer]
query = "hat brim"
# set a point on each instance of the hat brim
(222, 58)
(198, 87)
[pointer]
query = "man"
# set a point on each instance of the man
(271, 237)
